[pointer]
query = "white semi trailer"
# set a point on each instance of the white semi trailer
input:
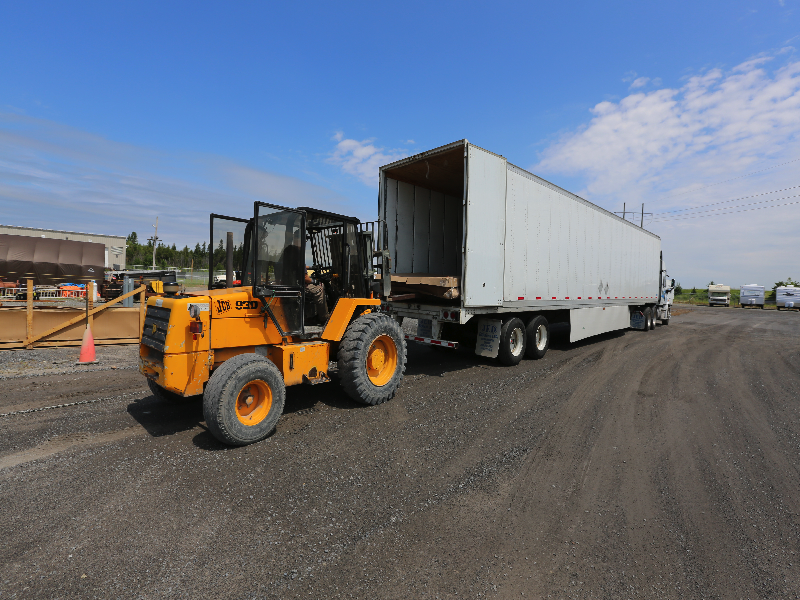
(483, 252)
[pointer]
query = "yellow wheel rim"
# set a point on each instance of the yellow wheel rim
(381, 360)
(254, 402)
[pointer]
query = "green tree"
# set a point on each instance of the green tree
(678, 289)
(710, 283)
(789, 281)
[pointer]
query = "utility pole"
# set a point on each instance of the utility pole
(154, 239)
(641, 223)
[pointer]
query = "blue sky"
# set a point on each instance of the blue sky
(113, 113)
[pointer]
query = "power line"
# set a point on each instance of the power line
(682, 218)
(673, 217)
(727, 180)
(725, 201)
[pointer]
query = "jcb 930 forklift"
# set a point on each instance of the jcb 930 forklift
(239, 347)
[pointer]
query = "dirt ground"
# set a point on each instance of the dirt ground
(659, 464)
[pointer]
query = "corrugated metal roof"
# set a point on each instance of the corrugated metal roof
(121, 237)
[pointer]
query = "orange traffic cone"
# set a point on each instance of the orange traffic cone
(87, 349)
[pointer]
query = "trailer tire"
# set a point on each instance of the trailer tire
(372, 358)
(653, 313)
(647, 316)
(538, 337)
(241, 379)
(512, 342)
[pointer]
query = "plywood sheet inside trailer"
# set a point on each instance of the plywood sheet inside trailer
(404, 262)
(422, 230)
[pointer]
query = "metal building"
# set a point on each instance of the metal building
(115, 244)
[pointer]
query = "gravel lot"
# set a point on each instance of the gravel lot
(658, 464)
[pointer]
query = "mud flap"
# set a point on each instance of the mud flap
(488, 343)
(637, 319)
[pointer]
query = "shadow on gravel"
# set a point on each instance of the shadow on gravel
(166, 418)
(428, 360)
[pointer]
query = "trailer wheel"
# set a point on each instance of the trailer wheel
(372, 358)
(647, 316)
(512, 342)
(653, 313)
(244, 399)
(538, 337)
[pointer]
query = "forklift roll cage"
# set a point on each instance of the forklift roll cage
(342, 250)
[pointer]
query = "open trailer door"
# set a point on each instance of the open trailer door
(486, 227)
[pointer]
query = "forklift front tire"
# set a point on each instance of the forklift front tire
(372, 358)
(244, 399)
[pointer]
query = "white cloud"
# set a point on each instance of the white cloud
(58, 177)
(363, 158)
(639, 82)
(673, 148)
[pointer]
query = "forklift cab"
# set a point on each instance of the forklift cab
(288, 244)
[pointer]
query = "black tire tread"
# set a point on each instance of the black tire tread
(531, 351)
(216, 388)
(504, 354)
(163, 395)
(352, 358)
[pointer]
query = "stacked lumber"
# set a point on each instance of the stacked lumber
(412, 284)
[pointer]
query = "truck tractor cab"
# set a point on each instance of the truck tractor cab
(239, 347)
(666, 296)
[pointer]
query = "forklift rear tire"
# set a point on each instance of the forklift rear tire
(244, 399)
(163, 395)
(372, 358)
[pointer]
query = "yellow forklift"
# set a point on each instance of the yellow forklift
(239, 347)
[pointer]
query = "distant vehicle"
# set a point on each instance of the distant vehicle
(719, 295)
(154, 280)
(787, 297)
(751, 294)
(220, 283)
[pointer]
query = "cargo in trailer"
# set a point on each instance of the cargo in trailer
(488, 253)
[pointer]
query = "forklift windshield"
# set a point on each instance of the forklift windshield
(217, 251)
(279, 248)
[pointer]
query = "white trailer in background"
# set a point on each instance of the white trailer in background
(487, 253)
(787, 297)
(751, 294)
